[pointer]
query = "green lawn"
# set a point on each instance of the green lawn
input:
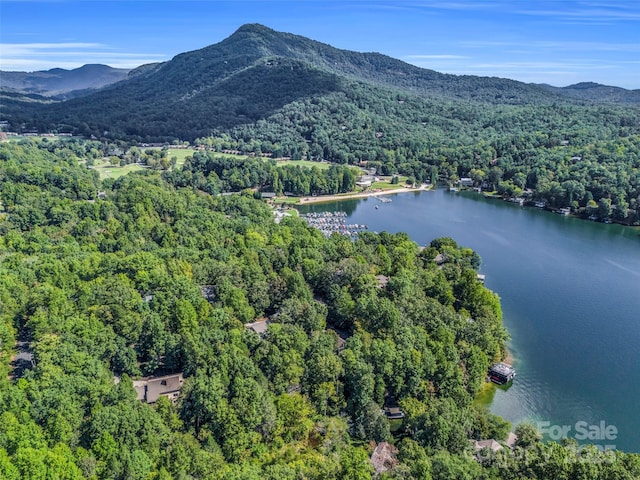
(106, 170)
(287, 200)
(305, 163)
(181, 154)
(385, 183)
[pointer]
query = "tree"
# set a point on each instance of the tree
(604, 208)
(355, 464)
(527, 434)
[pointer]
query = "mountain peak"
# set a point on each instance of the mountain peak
(254, 28)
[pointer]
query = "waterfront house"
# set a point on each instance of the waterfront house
(466, 182)
(491, 444)
(365, 181)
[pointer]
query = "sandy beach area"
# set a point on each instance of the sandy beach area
(364, 194)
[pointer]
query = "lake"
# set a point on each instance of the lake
(570, 292)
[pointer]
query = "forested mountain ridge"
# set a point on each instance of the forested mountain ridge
(598, 93)
(62, 83)
(107, 287)
(251, 75)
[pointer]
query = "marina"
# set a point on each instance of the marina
(332, 222)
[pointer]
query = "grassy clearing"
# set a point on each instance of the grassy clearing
(287, 201)
(305, 163)
(181, 154)
(385, 183)
(106, 170)
(37, 138)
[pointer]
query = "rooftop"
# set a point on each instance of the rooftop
(151, 388)
(490, 444)
(502, 368)
(259, 326)
(384, 458)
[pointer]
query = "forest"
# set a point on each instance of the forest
(214, 174)
(109, 281)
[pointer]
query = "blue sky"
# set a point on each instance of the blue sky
(559, 42)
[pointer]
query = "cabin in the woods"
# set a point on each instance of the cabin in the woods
(393, 413)
(151, 388)
(259, 326)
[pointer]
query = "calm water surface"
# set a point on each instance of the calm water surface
(570, 292)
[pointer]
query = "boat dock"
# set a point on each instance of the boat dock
(332, 222)
(501, 373)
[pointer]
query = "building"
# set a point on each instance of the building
(259, 326)
(501, 373)
(365, 181)
(393, 413)
(491, 444)
(384, 458)
(151, 388)
(466, 182)
(440, 259)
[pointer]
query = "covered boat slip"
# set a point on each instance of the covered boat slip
(501, 373)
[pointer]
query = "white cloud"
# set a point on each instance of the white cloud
(435, 57)
(586, 13)
(556, 45)
(44, 56)
(540, 65)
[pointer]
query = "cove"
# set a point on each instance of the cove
(570, 293)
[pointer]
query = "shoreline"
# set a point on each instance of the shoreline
(508, 358)
(364, 194)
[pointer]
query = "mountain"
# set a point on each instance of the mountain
(598, 93)
(256, 74)
(59, 82)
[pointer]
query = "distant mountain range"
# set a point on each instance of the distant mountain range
(248, 77)
(598, 93)
(62, 83)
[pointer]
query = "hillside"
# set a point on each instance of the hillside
(62, 83)
(596, 92)
(253, 74)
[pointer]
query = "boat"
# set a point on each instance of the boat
(377, 206)
(501, 373)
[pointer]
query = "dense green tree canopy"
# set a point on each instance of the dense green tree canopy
(153, 277)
